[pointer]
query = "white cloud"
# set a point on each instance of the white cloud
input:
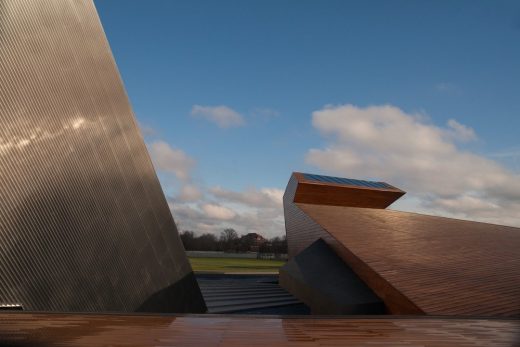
(276, 195)
(171, 160)
(146, 131)
(197, 208)
(253, 210)
(386, 143)
(223, 116)
(189, 192)
(461, 132)
(266, 197)
(509, 153)
(218, 212)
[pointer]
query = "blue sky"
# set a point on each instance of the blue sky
(274, 65)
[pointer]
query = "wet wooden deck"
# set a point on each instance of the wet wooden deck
(24, 329)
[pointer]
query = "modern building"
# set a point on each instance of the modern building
(416, 264)
(84, 224)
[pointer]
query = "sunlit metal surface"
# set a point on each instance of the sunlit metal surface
(84, 224)
(119, 330)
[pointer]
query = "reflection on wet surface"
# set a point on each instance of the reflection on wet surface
(133, 330)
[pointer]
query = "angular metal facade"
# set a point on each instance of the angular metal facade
(84, 224)
(417, 264)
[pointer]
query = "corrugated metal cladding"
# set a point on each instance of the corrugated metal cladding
(84, 225)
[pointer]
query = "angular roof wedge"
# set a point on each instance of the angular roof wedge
(327, 190)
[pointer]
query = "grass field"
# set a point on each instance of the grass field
(234, 265)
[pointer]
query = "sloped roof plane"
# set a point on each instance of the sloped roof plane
(417, 264)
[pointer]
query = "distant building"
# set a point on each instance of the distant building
(254, 241)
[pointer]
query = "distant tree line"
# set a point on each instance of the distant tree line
(276, 245)
(229, 241)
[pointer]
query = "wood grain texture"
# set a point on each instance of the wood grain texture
(132, 330)
(326, 193)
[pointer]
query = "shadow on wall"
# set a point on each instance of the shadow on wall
(319, 277)
(182, 296)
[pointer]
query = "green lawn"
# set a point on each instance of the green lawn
(234, 265)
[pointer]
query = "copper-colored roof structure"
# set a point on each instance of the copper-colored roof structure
(326, 190)
(417, 264)
(226, 331)
(84, 224)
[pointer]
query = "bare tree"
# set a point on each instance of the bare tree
(228, 239)
(188, 240)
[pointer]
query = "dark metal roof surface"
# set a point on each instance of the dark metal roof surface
(347, 181)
